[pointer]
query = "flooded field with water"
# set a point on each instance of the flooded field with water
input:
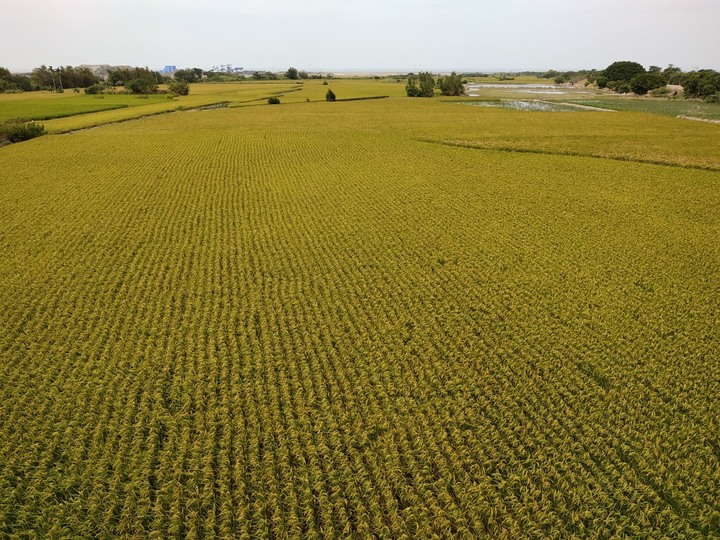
(529, 105)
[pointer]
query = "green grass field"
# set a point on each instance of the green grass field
(397, 318)
(664, 106)
(48, 105)
(69, 112)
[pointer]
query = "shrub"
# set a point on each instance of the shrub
(141, 86)
(701, 83)
(325, 83)
(421, 86)
(94, 89)
(559, 79)
(713, 98)
(188, 75)
(330, 95)
(179, 87)
(20, 131)
(273, 100)
(451, 85)
(602, 82)
(659, 92)
(623, 88)
(643, 83)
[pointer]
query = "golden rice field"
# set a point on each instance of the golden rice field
(376, 319)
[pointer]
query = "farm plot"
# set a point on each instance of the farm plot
(303, 321)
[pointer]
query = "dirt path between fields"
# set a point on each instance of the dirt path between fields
(584, 107)
(696, 119)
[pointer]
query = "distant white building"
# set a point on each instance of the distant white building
(227, 68)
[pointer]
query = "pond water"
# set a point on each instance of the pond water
(474, 89)
(498, 85)
(519, 105)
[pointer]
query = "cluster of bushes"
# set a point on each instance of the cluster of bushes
(134, 80)
(137, 80)
(47, 78)
(18, 131)
(451, 85)
(626, 76)
(190, 75)
(144, 81)
(96, 88)
(57, 79)
(703, 84)
(265, 76)
(10, 83)
(179, 87)
(424, 85)
(631, 76)
(421, 86)
(292, 73)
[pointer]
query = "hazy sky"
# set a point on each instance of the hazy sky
(361, 34)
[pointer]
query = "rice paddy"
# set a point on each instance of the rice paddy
(392, 318)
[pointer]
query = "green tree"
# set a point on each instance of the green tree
(188, 75)
(330, 95)
(141, 86)
(13, 83)
(701, 84)
(43, 78)
(412, 89)
(76, 77)
(451, 85)
(292, 73)
(623, 88)
(673, 74)
(643, 83)
(94, 89)
(421, 86)
(120, 76)
(623, 71)
(16, 131)
(264, 76)
(178, 86)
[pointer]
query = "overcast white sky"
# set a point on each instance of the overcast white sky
(361, 34)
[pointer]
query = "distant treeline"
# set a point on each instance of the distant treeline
(136, 79)
(622, 77)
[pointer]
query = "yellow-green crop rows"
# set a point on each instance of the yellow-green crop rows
(323, 320)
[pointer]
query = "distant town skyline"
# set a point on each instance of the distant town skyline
(362, 35)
